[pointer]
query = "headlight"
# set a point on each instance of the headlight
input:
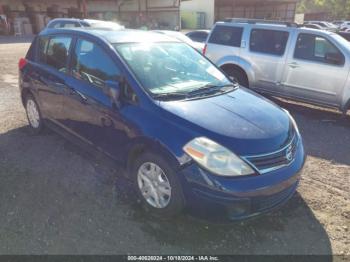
(293, 121)
(217, 158)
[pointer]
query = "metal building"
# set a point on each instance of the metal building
(216, 10)
(266, 9)
(33, 15)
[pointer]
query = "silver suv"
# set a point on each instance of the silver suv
(284, 60)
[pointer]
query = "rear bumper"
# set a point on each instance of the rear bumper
(240, 198)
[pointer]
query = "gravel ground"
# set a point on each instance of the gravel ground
(55, 199)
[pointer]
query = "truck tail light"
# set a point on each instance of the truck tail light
(205, 49)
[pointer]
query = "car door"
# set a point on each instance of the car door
(316, 70)
(90, 112)
(50, 74)
(267, 56)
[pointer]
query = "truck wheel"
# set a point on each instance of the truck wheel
(237, 75)
(157, 186)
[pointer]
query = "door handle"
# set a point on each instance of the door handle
(82, 97)
(293, 65)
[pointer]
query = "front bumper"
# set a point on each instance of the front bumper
(240, 197)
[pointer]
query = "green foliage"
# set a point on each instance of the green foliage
(338, 9)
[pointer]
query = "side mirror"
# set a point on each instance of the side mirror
(113, 90)
(334, 58)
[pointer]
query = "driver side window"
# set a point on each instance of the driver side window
(92, 64)
(317, 48)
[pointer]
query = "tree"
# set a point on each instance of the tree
(338, 9)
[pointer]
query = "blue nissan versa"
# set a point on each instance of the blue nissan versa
(187, 136)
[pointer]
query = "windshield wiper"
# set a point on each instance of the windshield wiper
(205, 90)
(212, 89)
(171, 96)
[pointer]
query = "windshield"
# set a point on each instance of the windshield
(341, 40)
(170, 68)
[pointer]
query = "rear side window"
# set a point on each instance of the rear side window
(268, 41)
(199, 36)
(92, 64)
(57, 52)
(43, 42)
(31, 52)
(227, 35)
(319, 49)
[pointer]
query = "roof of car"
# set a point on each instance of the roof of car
(199, 31)
(66, 19)
(115, 36)
(300, 28)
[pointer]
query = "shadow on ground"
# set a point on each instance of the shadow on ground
(57, 199)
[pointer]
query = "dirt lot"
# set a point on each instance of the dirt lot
(55, 199)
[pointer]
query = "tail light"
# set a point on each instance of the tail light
(22, 62)
(205, 49)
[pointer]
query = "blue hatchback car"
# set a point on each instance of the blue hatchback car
(187, 135)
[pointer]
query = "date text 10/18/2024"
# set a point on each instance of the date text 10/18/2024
(173, 258)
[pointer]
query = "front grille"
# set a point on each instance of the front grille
(260, 204)
(273, 161)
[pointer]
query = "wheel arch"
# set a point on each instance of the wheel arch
(143, 145)
(226, 67)
(238, 63)
(24, 93)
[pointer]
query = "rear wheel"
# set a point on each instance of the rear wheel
(237, 75)
(157, 186)
(33, 114)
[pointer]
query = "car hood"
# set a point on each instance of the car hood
(242, 121)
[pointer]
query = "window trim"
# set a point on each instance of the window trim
(264, 53)
(236, 27)
(316, 61)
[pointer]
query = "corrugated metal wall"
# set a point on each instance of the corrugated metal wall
(273, 10)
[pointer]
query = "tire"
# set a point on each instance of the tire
(33, 115)
(166, 180)
(238, 75)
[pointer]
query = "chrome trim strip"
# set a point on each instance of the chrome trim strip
(267, 170)
(273, 153)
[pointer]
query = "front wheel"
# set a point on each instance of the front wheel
(158, 186)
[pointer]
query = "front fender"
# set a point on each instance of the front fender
(158, 134)
(240, 62)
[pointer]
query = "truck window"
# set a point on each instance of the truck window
(227, 35)
(268, 41)
(316, 48)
